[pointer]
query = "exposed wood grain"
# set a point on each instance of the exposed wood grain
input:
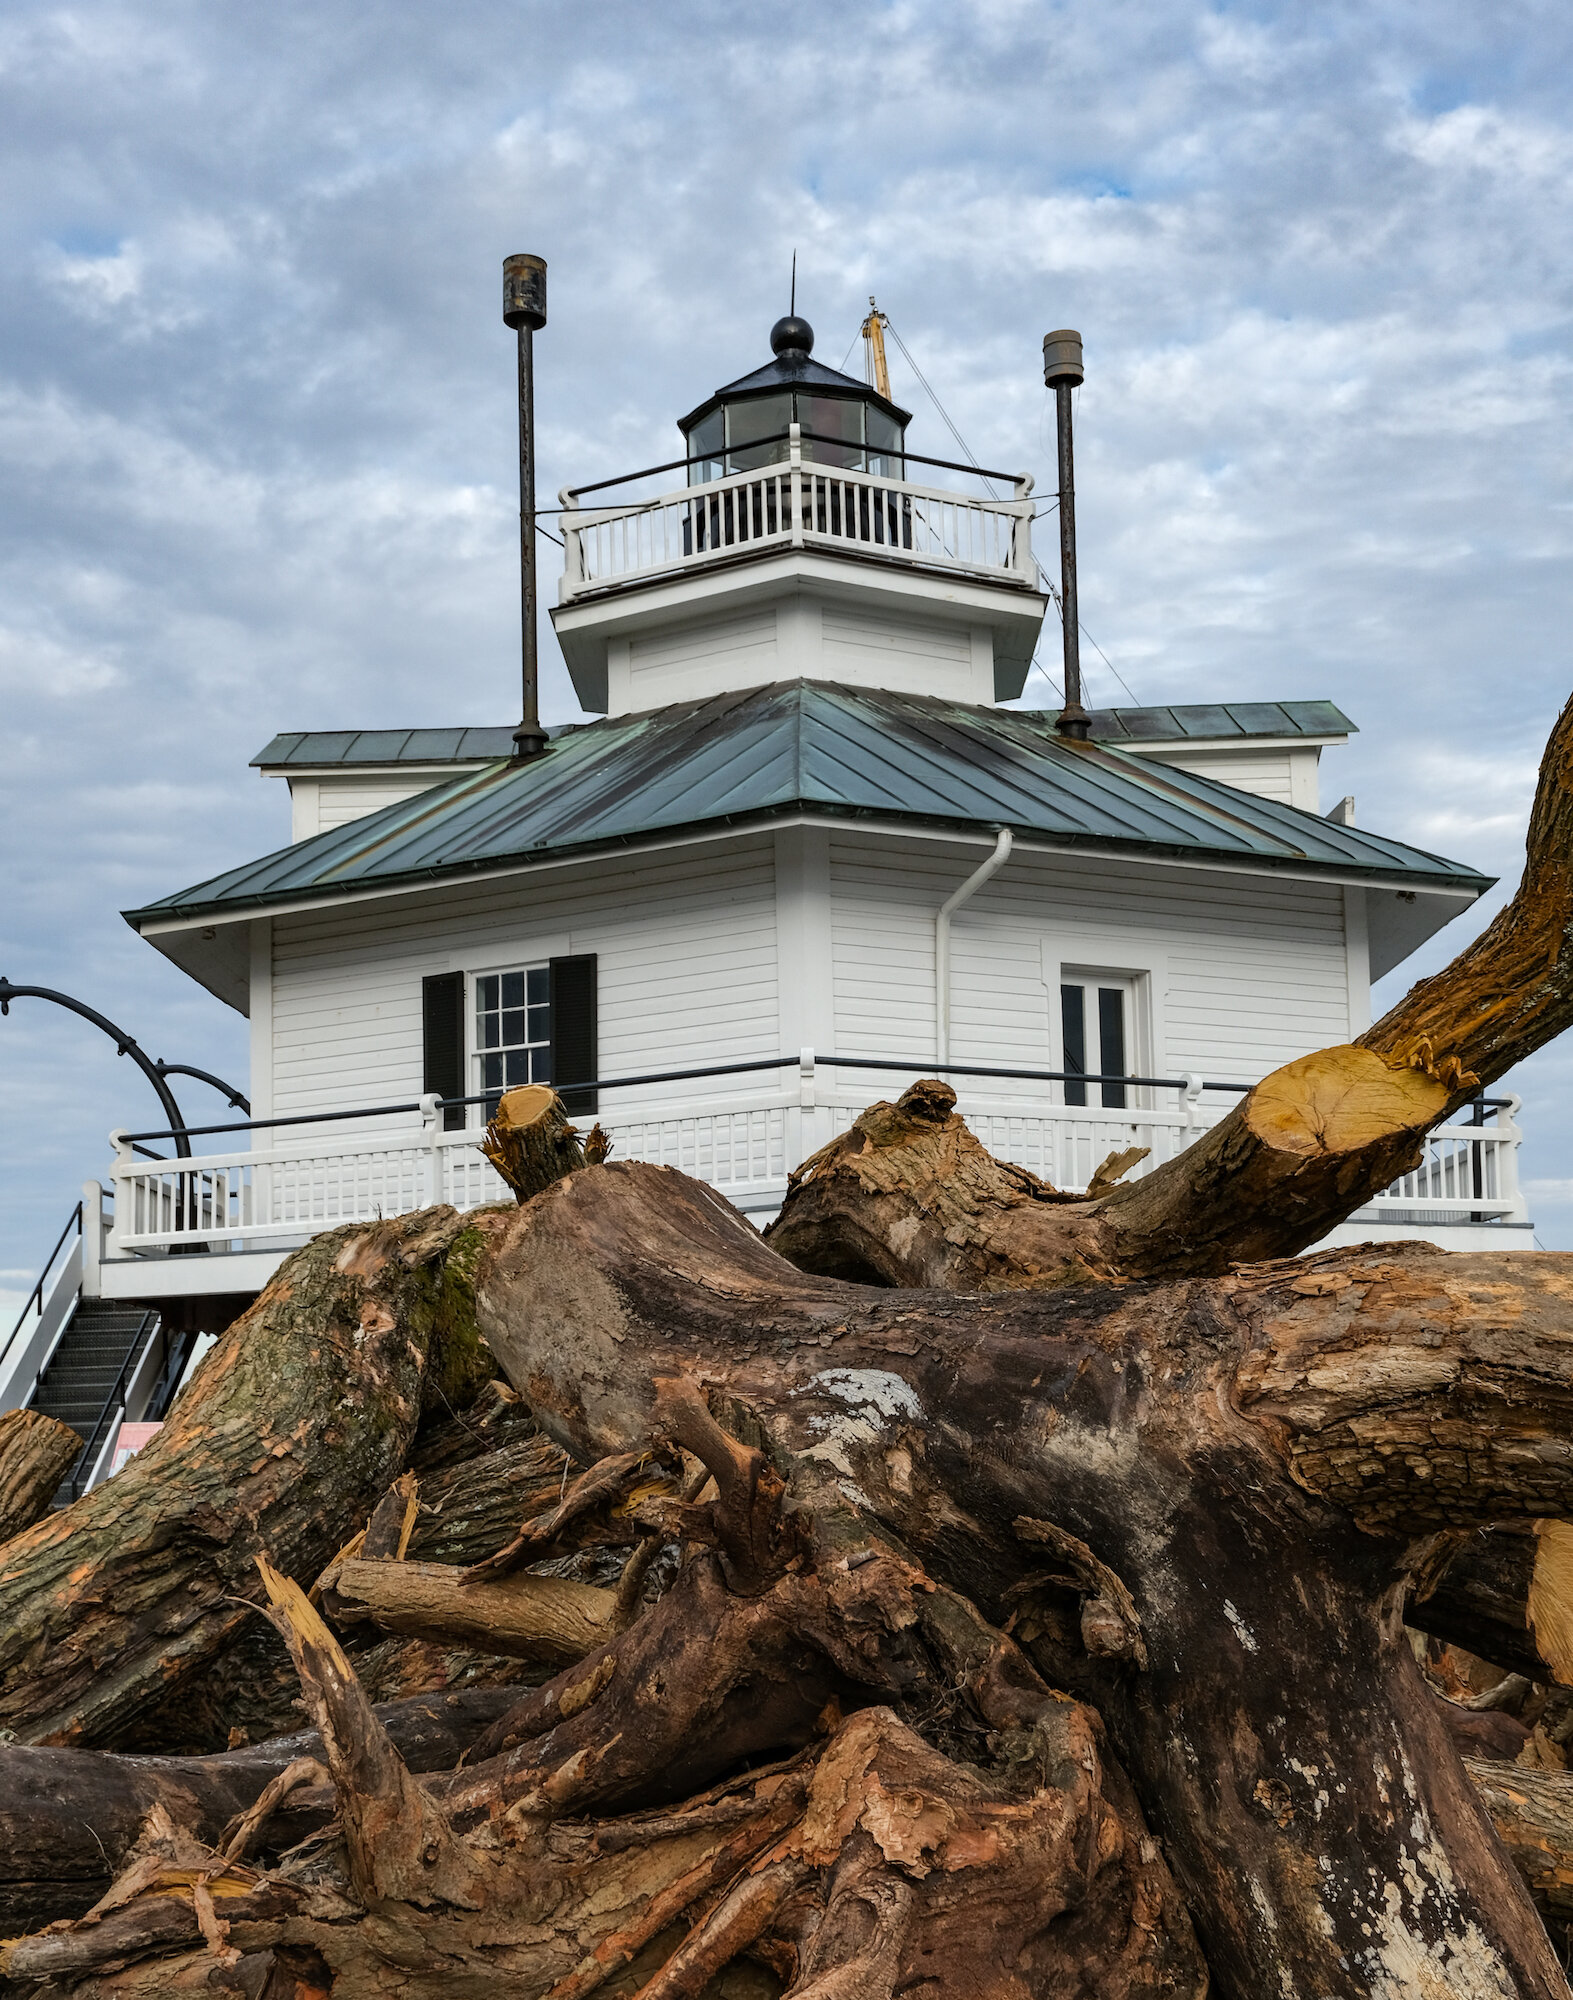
(36, 1453)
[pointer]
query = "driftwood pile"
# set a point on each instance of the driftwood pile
(966, 1589)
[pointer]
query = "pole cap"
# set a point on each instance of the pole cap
(524, 292)
(1062, 357)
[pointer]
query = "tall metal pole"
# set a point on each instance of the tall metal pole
(524, 309)
(1062, 370)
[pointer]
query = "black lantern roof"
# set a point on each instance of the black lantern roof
(843, 421)
(794, 368)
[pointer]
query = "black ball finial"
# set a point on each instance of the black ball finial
(792, 335)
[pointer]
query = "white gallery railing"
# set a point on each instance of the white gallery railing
(798, 503)
(744, 1143)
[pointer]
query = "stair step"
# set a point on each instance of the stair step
(95, 1346)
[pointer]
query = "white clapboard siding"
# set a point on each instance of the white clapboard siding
(1286, 773)
(923, 656)
(339, 803)
(318, 804)
(687, 969)
(1242, 973)
(696, 660)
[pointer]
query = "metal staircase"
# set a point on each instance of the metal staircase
(86, 1379)
(91, 1362)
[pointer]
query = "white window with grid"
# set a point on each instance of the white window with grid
(513, 1030)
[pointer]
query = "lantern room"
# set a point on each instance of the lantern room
(746, 425)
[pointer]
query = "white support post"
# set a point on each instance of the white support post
(1510, 1138)
(92, 1238)
(795, 459)
(1023, 564)
(572, 581)
(1191, 1101)
(431, 1132)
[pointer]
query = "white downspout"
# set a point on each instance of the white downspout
(952, 903)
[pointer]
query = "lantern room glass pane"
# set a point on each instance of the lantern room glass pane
(706, 443)
(837, 424)
(884, 441)
(759, 417)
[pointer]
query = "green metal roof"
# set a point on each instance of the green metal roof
(343, 749)
(858, 754)
(1218, 721)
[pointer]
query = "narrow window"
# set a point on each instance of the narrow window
(1073, 1017)
(1108, 1027)
(513, 1031)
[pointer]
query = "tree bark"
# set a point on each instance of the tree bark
(293, 1425)
(1206, 1441)
(468, 1511)
(1533, 1813)
(908, 1197)
(543, 1618)
(36, 1453)
(1480, 1600)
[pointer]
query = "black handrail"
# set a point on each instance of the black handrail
(36, 1295)
(739, 1069)
(780, 437)
(714, 1069)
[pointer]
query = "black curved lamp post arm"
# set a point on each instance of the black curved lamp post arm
(124, 1043)
(205, 1076)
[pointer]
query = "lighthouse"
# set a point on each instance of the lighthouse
(804, 848)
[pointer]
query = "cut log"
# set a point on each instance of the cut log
(1317, 1420)
(544, 1618)
(292, 1426)
(36, 1453)
(1533, 1815)
(68, 1818)
(469, 1511)
(530, 1140)
(1021, 1866)
(908, 1197)
(1480, 1600)
(498, 1416)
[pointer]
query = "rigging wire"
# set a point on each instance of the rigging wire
(1059, 605)
(944, 413)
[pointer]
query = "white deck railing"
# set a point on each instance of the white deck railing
(797, 504)
(743, 1143)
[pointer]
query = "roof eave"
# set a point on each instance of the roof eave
(403, 881)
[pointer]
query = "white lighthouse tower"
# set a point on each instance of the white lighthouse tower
(807, 543)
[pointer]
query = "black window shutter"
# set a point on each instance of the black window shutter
(575, 1040)
(442, 1042)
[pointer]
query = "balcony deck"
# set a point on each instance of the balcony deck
(798, 503)
(249, 1206)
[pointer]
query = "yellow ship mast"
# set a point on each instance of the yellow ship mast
(876, 369)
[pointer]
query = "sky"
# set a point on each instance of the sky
(257, 447)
